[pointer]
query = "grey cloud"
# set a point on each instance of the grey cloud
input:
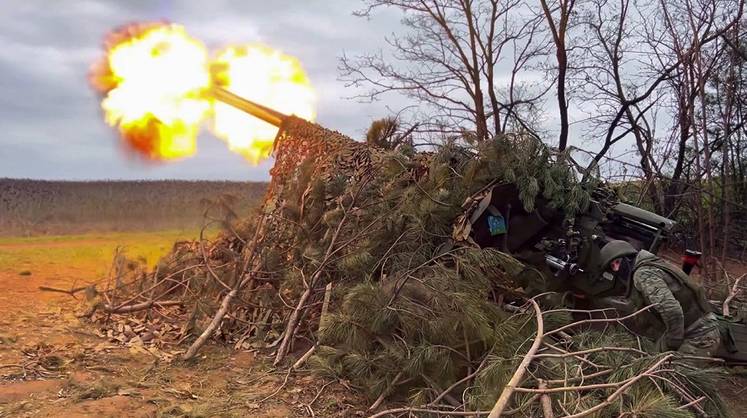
(50, 119)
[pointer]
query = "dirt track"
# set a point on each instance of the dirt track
(53, 364)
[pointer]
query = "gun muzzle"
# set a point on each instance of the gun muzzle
(255, 109)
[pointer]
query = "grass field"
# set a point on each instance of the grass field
(90, 253)
(36, 207)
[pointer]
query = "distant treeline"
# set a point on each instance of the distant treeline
(63, 207)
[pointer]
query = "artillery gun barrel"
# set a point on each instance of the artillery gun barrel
(268, 115)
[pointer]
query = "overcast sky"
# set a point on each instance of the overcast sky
(50, 123)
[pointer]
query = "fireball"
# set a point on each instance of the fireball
(266, 76)
(156, 81)
(154, 78)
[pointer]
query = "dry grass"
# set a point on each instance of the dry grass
(91, 253)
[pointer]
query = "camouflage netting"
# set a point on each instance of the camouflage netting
(350, 259)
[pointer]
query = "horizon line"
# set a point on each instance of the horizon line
(122, 180)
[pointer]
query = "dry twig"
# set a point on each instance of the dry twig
(242, 279)
(732, 294)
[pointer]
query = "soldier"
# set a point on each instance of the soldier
(689, 324)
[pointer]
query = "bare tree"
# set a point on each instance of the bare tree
(612, 82)
(453, 58)
(559, 27)
(692, 31)
(724, 121)
(633, 66)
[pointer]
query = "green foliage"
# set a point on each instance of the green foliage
(643, 401)
(411, 312)
(406, 303)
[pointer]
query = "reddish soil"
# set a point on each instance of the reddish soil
(52, 364)
(83, 375)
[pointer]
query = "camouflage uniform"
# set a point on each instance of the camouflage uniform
(689, 325)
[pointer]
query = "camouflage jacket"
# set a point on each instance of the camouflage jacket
(677, 301)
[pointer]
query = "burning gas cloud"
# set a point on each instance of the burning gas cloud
(265, 76)
(156, 83)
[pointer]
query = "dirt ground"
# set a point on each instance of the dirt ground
(53, 364)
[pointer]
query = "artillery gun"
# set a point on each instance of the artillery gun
(562, 255)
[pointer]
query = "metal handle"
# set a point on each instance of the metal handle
(556, 263)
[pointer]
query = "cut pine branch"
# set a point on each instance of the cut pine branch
(516, 379)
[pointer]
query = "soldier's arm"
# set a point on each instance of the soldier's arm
(654, 289)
